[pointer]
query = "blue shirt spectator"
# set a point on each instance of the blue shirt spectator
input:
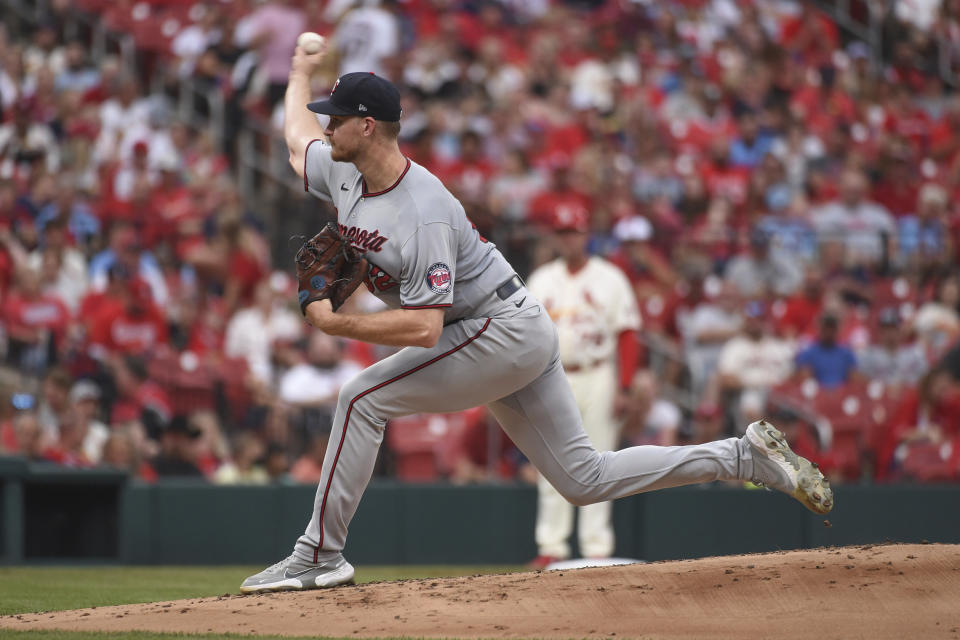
(829, 363)
(750, 148)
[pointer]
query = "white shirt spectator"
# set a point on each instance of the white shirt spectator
(39, 137)
(305, 384)
(861, 226)
(366, 38)
(703, 355)
(758, 364)
(904, 365)
(72, 282)
(190, 44)
(251, 334)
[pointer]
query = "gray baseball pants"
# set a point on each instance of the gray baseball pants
(508, 361)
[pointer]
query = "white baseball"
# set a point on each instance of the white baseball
(310, 42)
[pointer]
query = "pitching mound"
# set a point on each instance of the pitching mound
(885, 591)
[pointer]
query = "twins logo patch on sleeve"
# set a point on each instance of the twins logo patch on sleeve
(438, 277)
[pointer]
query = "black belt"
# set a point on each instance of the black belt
(509, 287)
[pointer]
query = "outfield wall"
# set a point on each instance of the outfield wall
(56, 515)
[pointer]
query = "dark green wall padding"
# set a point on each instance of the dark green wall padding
(52, 515)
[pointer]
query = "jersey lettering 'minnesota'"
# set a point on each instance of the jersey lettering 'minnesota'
(414, 233)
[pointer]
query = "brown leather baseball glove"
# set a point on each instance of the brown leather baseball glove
(328, 267)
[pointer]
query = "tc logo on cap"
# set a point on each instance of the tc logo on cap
(335, 85)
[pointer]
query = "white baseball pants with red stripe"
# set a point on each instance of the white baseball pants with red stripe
(510, 363)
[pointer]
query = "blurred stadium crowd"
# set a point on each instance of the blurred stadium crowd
(781, 195)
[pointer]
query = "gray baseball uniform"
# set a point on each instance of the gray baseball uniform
(498, 348)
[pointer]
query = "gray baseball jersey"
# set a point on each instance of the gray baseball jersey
(493, 351)
(422, 250)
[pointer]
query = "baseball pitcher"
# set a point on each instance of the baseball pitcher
(473, 334)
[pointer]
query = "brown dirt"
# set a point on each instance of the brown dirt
(873, 591)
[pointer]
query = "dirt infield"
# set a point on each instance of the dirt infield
(882, 591)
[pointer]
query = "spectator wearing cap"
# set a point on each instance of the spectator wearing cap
(134, 171)
(762, 270)
(84, 412)
(829, 363)
(81, 437)
(889, 358)
(866, 228)
(178, 450)
(644, 267)
(755, 359)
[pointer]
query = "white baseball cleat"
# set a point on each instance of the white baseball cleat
(777, 467)
(294, 574)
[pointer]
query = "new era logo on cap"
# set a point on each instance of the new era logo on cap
(361, 94)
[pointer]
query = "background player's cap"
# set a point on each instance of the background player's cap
(571, 218)
(361, 94)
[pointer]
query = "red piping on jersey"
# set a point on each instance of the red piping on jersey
(426, 306)
(306, 187)
(390, 188)
(346, 419)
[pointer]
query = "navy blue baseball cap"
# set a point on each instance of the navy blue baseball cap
(361, 94)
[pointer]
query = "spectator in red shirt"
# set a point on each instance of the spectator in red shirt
(35, 322)
(559, 195)
(136, 327)
(811, 34)
(467, 176)
(928, 416)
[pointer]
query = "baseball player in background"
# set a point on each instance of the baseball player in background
(595, 311)
(473, 335)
